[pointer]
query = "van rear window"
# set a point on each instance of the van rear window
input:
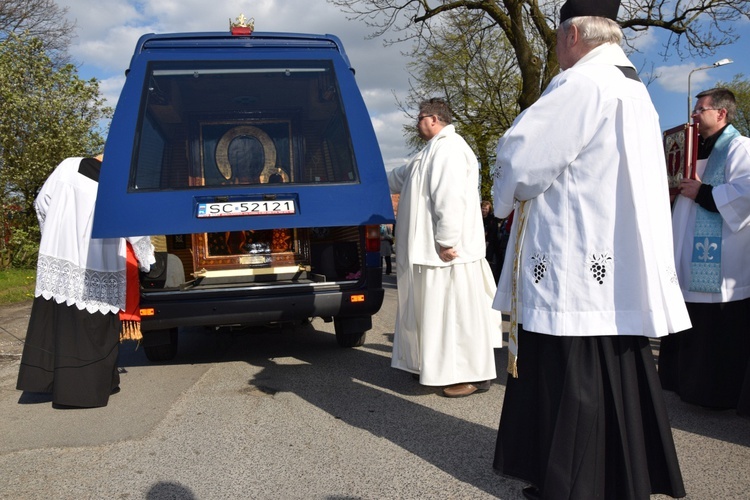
(241, 123)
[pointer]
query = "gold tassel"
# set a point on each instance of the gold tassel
(512, 365)
(131, 330)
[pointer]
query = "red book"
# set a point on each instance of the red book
(681, 150)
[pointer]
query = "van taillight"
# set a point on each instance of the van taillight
(372, 238)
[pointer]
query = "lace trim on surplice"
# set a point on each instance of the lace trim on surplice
(102, 291)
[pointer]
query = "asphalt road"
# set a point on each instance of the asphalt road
(283, 413)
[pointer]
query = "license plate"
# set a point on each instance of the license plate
(235, 208)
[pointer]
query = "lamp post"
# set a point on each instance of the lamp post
(718, 63)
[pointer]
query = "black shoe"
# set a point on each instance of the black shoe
(531, 492)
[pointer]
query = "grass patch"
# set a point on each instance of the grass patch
(17, 285)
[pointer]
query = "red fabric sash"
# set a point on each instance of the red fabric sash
(131, 316)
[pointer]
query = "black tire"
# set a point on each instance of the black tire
(351, 339)
(351, 332)
(161, 351)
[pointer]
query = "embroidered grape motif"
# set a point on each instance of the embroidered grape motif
(599, 266)
(540, 267)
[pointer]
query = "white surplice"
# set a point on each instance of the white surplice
(74, 268)
(445, 327)
(596, 256)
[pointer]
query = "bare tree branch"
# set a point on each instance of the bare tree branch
(42, 19)
(695, 27)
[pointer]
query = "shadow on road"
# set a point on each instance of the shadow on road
(358, 387)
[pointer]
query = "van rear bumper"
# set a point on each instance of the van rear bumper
(180, 308)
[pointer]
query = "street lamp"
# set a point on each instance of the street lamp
(718, 63)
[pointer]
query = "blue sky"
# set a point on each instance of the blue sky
(669, 91)
(104, 44)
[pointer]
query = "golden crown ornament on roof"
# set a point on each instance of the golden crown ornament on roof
(242, 25)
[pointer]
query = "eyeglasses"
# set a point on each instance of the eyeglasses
(698, 111)
(421, 117)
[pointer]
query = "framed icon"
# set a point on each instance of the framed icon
(246, 153)
(681, 150)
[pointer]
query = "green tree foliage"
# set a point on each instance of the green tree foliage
(740, 86)
(47, 114)
(479, 80)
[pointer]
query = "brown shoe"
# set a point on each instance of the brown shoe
(463, 390)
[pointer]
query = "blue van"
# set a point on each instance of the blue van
(251, 160)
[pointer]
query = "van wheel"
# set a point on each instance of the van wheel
(160, 345)
(351, 339)
(351, 332)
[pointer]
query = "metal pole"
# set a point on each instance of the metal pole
(690, 99)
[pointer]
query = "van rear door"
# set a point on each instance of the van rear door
(217, 133)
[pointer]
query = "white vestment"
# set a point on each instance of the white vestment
(733, 201)
(596, 256)
(72, 267)
(445, 326)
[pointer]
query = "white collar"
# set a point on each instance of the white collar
(608, 53)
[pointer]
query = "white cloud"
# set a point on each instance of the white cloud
(389, 129)
(643, 41)
(111, 53)
(675, 78)
(110, 88)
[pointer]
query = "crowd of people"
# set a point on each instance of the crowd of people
(598, 263)
(592, 273)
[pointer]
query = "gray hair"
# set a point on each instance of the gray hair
(595, 30)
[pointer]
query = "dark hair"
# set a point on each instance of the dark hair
(721, 98)
(438, 107)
